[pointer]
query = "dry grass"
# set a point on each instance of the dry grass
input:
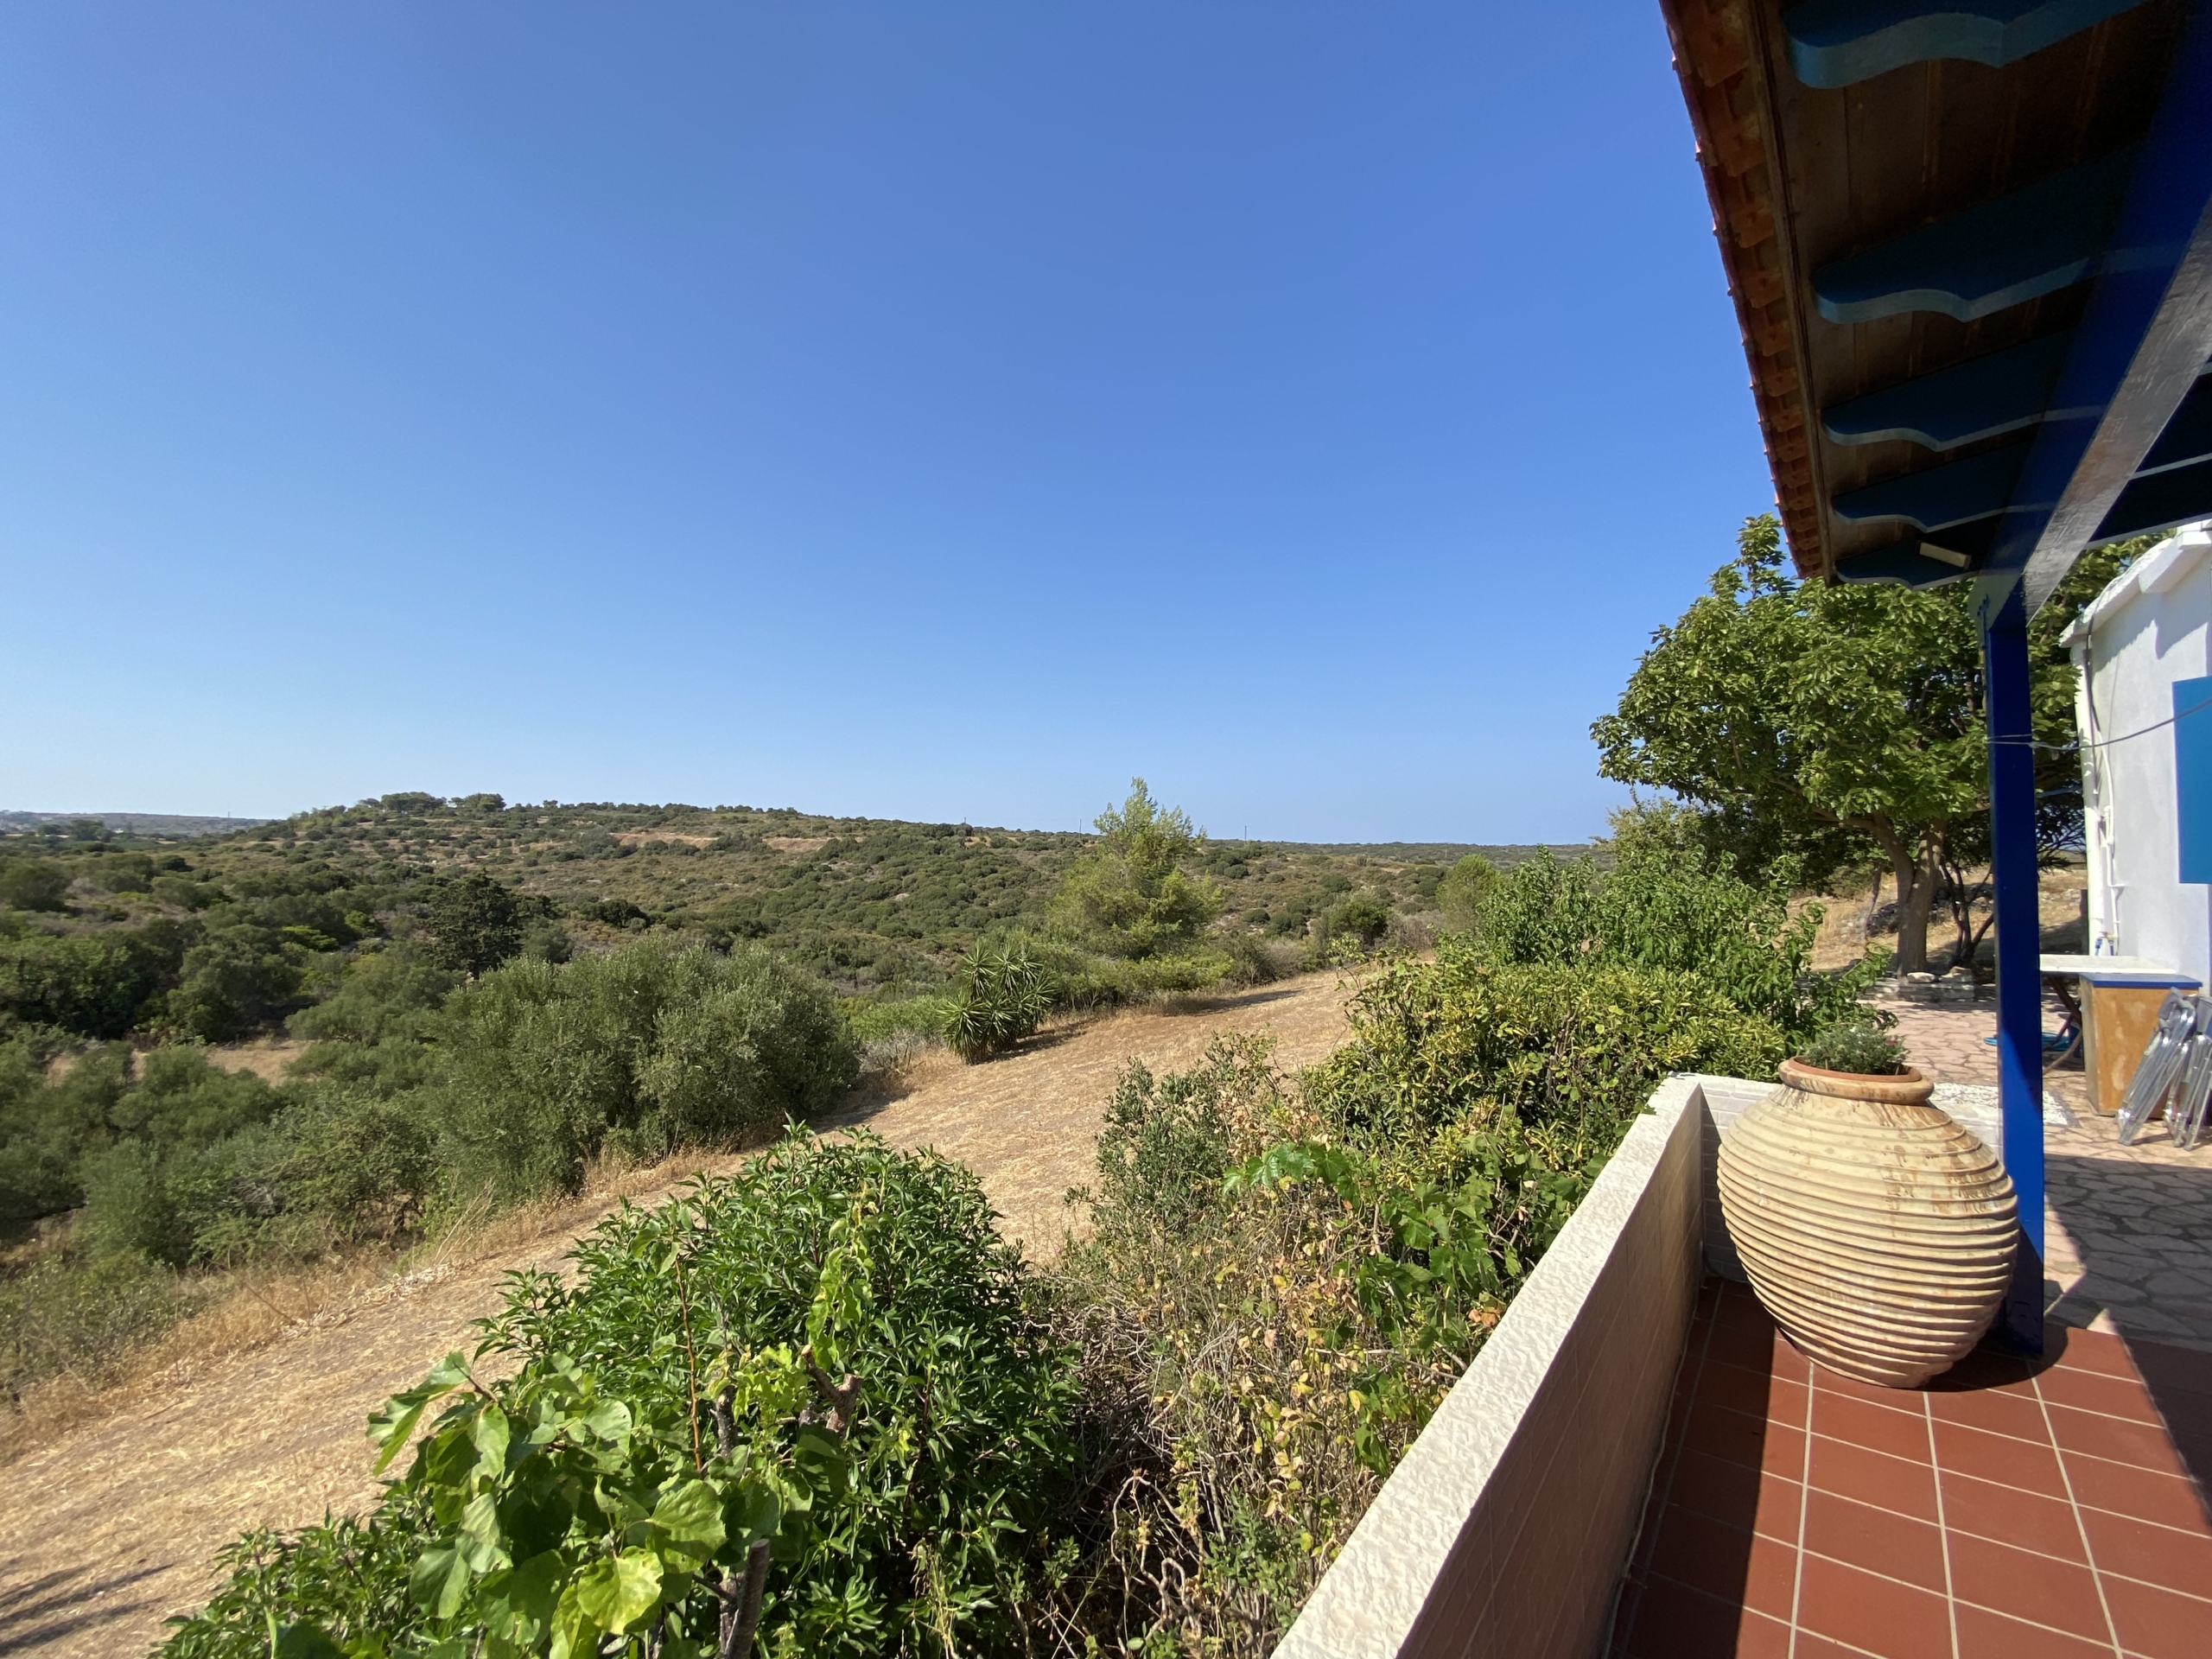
(251, 1414)
(269, 1058)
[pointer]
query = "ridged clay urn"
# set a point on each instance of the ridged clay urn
(1878, 1232)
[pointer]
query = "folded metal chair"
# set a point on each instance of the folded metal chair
(2185, 1113)
(2165, 1059)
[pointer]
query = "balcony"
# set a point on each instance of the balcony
(1638, 1464)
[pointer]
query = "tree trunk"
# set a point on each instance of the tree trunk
(1912, 862)
(1916, 880)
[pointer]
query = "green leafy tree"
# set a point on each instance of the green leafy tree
(239, 980)
(1128, 894)
(1809, 719)
(476, 924)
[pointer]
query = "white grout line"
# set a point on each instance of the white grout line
(1942, 1524)
(2066, 1478)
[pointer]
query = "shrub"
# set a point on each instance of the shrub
(1669, 903)
(241, 979)
(33, 883)
(1271, 1305)
(830, 1354)
(82, 1317)
(654, 1045)
(1465, 890)
(97, 985)
(1862, 1045)
(1565, 1048)
(1004, 995)
(394, 992)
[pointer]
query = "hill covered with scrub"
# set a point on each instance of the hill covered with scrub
(821, 1405)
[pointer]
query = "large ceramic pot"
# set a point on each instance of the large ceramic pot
(1878, 1232)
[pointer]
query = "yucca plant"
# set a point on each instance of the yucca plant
(1005, 994)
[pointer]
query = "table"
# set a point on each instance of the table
(2116, 1014)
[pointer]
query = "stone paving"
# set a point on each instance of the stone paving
(2129, 1227)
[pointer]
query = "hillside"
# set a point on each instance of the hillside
(872, 904)
(126, 1511)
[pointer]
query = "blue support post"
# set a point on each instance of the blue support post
(2003, 616)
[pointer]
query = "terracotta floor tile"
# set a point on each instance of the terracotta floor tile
(1748, 1345)
(2144, 1444)
(2076, 1349)
(2166, 1499)
(1819, 1647)
(1873, 1478)
(1993, 1411)
(1788, 1403)
(2116, 1397)
(1894, 1620)
(2035, 1587)
(1986, 1370)
(1719, 1431)
(1874, 1539)
(1700, 1552)
(1738, 1497)
(2158, 1624)
(2046, 1525)
(1733, 1386)
(1905, 1400)
(2136, 1549)
(1759, 1637)
(1786, 1361)
(2019, 1463)
(1985, 1635)
(1674, 1622)
(1878, 1429)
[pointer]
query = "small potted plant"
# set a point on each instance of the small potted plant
(1878, 1233)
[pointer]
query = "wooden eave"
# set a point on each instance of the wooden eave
(1800, 177)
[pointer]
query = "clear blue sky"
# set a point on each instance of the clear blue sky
(933, 411)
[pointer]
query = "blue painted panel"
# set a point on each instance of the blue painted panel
(1979, 398)
(1956, 492)
(2181, 495)
(1837, 43)
(1907, 564)
(2188, 436)
(2193, 776)
(1983, 258)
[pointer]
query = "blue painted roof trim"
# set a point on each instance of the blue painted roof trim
(1982, 397)
(1992, 256)
(2135, 358)
(1905, 564)
(1982, 486)
(1837, 43)
(2160, 501)
(1936, 498)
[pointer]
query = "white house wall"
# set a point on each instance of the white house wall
(2145, 630)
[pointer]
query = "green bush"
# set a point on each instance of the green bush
(394, 992)
(831, 1354)
(237, 980)
(1575, 1049)
(1671, 905)
(97, 985)
(1274, 1301)
(654, 1045)
(1465, 890)
(1003, 996)
(33, 883)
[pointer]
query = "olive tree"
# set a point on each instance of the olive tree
(1816, 720)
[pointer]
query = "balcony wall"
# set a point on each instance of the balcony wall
(1503, 1529)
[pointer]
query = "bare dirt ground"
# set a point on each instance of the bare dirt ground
(116, 1520)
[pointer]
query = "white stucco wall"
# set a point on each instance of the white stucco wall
(2145, 630)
